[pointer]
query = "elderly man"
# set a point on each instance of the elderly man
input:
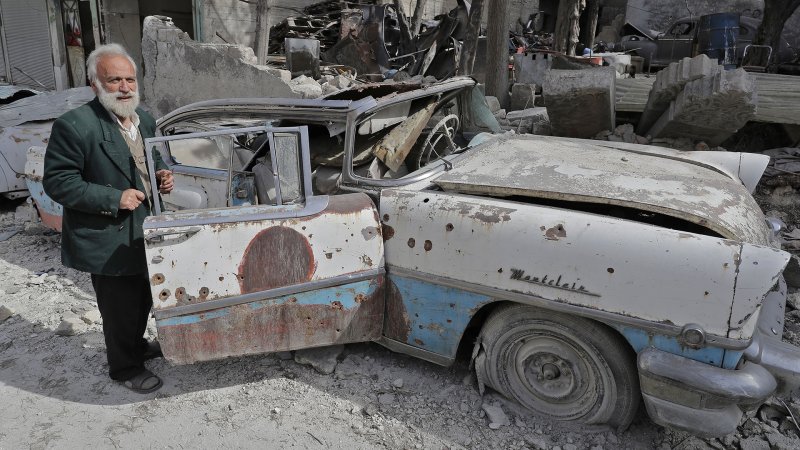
(95, 166)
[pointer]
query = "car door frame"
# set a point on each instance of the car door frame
(325, 308)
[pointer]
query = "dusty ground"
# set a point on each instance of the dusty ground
(55, 392)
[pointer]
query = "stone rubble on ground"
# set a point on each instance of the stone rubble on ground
(322, 359)
(5, 313)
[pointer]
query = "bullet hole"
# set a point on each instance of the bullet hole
(610, 270)
(426, 200)
(500, 270)
(449, 227)
(164, 294)
(411, 242)
(428, 245)
(157, 279)
(385, 217)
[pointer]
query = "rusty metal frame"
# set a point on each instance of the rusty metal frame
(602, 316)
(268, 294)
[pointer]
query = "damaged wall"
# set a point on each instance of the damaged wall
(179, 71)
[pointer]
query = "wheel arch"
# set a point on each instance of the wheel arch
(466, 345)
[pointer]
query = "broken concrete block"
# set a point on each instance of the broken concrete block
(307, 87)
(710, 109)
(328, 88)
(26, 212)
(523, 96)
(91, 317)
(322, 359)
(670, 82)
(497, 417)
(5, 313)
(580, 103)
(531, 120)
(70, 326)
(178, 71)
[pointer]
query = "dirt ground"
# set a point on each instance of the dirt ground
(56, 394)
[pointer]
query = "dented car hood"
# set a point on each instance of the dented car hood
(684, 185)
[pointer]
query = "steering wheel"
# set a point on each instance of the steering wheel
(439, 141)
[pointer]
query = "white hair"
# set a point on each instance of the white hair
(101, 51)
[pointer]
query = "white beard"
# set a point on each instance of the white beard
(120, 109)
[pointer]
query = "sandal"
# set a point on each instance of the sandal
(143, 383)
(152, 351)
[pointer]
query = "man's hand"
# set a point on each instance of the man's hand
(131, 199)
(165, 181)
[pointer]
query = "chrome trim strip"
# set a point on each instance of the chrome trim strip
(314, 205)
(401, 347)
(268, 294)
(555, 305)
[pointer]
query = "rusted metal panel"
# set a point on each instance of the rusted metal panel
(245, 258)
(603, 263)
(579, 170)
(338, 315)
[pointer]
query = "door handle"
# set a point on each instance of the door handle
(158, 235)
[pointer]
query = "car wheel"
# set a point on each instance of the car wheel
(569, 368)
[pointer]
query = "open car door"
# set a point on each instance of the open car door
(275, 268)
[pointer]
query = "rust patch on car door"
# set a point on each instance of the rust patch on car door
(341, 315)
(278, 256)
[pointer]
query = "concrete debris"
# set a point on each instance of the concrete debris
(5, 313)
(398, 383)
(26, 212)
(92, 317)
(306, 87)
(531, 120)
(386, 399)
(580, 103)
(322, 359)
(496, 416)
(623, 133)
(710, 108)
(70, 326)
(523, 96)
(670, 81)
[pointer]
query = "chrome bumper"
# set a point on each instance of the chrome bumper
(707, 400)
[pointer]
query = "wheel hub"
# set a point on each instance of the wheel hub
(550, 376)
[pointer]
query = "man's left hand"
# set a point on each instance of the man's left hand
(165, 181)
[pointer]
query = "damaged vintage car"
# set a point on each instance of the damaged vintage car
(581, 276)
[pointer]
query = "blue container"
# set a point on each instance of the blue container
(717, 36)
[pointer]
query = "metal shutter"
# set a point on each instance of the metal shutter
(27, 34)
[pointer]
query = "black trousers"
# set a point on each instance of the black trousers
(124, 303)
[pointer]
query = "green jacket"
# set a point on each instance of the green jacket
(87, 165)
